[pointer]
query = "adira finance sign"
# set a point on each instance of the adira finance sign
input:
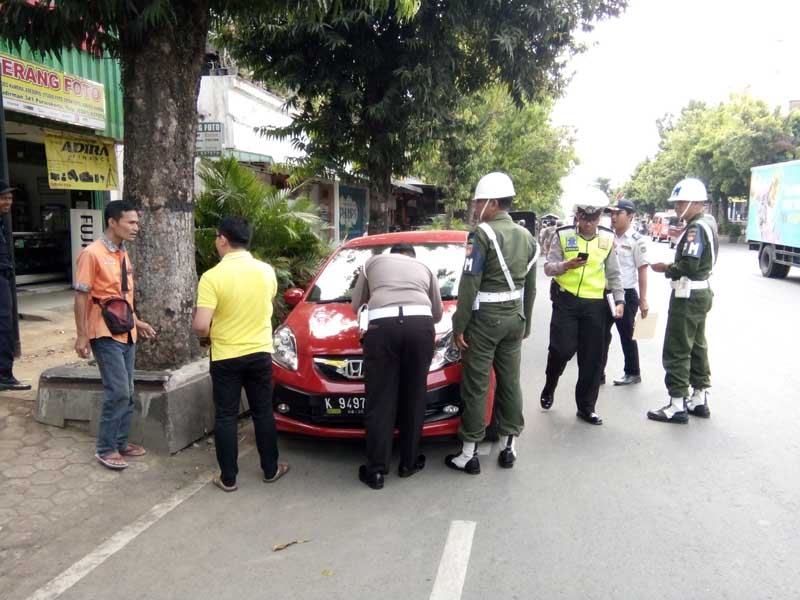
(41, 91)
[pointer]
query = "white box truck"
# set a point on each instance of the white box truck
(773, 217)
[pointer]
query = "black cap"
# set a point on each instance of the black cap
(624, 204)
(5, 187)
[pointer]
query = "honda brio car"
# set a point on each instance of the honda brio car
(318, 366)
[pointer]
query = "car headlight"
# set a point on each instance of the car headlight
(285, 353)
(444, 353)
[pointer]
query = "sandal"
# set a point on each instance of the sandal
(225, 488)
(133, 450)
(283, 469)
(112, 460)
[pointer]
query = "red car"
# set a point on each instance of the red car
(318, 367)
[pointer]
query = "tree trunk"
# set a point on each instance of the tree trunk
(160, 79)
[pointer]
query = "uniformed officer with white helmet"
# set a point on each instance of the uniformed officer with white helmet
(581, 258)
(685, 353)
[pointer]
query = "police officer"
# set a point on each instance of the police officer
(9, 332)
(632, 252)
(580, 259)
(685, 353)
(404, 302)
(495, 301)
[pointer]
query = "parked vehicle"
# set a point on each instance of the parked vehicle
(318, 367)
(773, 218)
(659, 228)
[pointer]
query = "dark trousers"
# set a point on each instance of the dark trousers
(625, 329)
(577, 325)
(254, 373)
(115, 361)
(397, 356)
(6, 327)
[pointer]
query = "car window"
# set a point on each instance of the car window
(338, 278)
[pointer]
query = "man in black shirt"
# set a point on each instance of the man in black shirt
(8, 329)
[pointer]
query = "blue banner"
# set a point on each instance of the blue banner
(774, 212)
(352, 212)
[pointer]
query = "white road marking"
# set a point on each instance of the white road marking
(118, 541)
(455, 558)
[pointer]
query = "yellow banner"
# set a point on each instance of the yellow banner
(38, 90)
(79, 162)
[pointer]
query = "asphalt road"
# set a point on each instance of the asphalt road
(632, 509)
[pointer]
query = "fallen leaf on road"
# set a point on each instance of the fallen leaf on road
(279, 547)
(327, 572)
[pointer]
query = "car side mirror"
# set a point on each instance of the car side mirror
(292, 296)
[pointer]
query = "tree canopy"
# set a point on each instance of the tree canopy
(370, 89)
(719, 144)
(488, 133)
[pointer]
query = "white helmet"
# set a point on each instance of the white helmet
(493, 186)
(592, 200)
(689, 190)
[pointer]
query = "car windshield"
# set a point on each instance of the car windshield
(337, 280)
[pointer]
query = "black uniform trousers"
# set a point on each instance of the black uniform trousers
(578, 325)
(397, 356)
(7, 336)
(630, 349)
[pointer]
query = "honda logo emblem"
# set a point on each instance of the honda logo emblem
(353, 369)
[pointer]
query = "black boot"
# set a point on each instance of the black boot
(507, 457)
(373, 480)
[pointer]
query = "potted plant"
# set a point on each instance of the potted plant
(734, 232)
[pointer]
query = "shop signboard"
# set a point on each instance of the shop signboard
(44, 92)
(209, 139)
(79, 162)
(86, 225)
(352, 212)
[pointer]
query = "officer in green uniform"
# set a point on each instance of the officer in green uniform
(495, 301)
(685, 353)
(582, 261)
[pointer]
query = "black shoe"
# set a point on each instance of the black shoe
(591, 418)
(506, 459)
(405, 471)
(374, 480)
(12, 383)
(628, 379)
(546, 399)
(701, 410)
(681, 417)
(473, 466)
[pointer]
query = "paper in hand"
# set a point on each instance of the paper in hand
(645, 329)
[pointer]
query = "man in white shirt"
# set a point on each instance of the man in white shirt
(632, 252)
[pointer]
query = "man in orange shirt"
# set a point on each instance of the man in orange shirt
(104, 273)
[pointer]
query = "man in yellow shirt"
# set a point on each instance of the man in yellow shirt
(234, 309)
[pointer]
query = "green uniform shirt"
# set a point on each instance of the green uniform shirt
(694, 255)
(483, 273)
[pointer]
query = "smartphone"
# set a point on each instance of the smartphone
(583, 255)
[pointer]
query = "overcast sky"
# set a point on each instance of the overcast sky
(659, 55)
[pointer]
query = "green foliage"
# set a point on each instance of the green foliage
(283, 232)
(734, 230)
(719, 145)
(490, 133)
(440, 223)
(371, 89)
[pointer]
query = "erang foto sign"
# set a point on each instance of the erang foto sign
(38, 90)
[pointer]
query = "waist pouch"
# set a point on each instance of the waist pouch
(117, 314)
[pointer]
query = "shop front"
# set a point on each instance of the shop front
(63, 126)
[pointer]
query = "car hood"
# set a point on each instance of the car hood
(332, 328)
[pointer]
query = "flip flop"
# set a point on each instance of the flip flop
(225, 488)
(133, 450)
(113, 463)
(283, 469)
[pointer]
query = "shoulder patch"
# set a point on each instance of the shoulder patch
(693, 245)
(475, 259)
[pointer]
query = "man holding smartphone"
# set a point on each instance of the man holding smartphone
(581, 258)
